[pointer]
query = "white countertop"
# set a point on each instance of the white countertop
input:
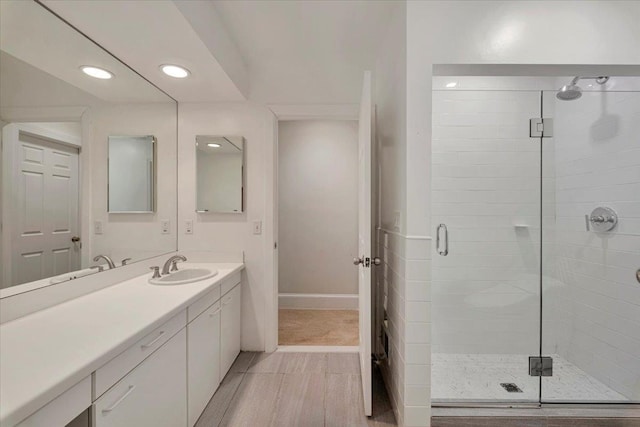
(47, 352)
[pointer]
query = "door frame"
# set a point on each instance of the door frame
(282, 113)
(11, 131)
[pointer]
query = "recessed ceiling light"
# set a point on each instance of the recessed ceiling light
(212, 145)
(175, 71)
(98, 73)
(452, 84)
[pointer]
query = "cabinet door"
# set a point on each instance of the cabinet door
(203, 355)
(152, 395)
(230, 329)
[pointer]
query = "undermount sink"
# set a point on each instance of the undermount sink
(183, 277)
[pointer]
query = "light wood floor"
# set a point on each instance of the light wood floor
(323, 390)
(297, 390)
(317, 327)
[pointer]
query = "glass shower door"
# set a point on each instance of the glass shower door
(486, 204)
(591, 245)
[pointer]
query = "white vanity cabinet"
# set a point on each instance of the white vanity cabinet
(203, 355)
(230, 328)
(151, 395)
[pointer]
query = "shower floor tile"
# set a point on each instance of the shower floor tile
(478, 376)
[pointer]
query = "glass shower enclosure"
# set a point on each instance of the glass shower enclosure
(536, 215)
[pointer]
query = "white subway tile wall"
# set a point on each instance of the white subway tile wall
(406, 261)
(592, 297)
(486, 189)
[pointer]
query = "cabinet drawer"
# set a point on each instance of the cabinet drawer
(119, 366)
(154, 394)
(230, 283)
(195, 309)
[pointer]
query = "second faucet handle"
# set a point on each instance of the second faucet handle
(156, 272)
(174, 264)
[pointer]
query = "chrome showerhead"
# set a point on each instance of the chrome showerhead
(573, 91)
(569, 92)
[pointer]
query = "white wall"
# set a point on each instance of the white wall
(483, 32)
(318, 206)
(593, 294)
(233, 232)
(128, 235)
(390, 79)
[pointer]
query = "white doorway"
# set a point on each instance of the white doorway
(366, 200)
(40, 206)
(318, 232)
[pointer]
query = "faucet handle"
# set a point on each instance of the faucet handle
(124, 261)
(156, 272)
(174, 264)
(97, 267)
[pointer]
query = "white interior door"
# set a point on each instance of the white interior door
(364, 238)
(42, 213)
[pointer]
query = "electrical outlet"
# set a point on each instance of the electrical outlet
(188, 226)
(97, 227)
(165, 224)
(257, 227)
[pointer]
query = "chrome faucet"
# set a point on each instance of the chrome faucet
(171, 263)
(110, 262)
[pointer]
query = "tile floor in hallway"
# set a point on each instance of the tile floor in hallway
(296, 389)
(317, 327)
(478, 377)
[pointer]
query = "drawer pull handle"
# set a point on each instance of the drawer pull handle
(146, 346)
(119, 401)
(227, 301)
(215, 312)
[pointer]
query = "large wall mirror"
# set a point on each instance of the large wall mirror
(219, 174)
(89, 155)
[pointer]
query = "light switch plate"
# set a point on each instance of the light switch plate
(257, 227)
(188, 226)
(165, 224)
(97, 227)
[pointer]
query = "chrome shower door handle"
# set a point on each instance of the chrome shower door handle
(443, 228)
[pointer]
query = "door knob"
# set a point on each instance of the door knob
(377, 261)
(357, 261)
(638, 275)
(75, 239)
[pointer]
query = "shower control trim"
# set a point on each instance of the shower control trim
(601, 219)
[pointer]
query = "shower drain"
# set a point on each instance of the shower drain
(511, 387)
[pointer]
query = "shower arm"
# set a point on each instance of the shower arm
(599, 79)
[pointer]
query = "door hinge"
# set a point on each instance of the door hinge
(540, 128)
(540, 366)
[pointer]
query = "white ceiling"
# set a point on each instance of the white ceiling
(148, 33)
(306, 51)
(58, 50)
(275, 52)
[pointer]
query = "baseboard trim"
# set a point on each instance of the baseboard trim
(317, 349)
(318, 301)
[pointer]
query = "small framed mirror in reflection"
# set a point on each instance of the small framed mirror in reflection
(219, 174)
(132, 172)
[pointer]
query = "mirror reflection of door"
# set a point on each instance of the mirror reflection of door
(40, 201)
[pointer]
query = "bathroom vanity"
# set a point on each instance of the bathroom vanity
(134, 353)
